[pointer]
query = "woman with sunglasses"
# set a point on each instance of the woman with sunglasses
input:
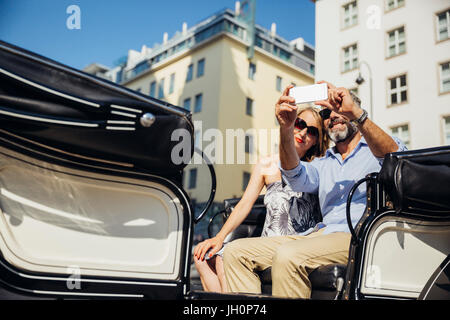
(287, 213)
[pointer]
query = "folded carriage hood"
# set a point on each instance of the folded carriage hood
(65, 110)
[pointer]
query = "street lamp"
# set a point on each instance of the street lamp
(360, 80)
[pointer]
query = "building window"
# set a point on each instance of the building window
(187, 104)
(279, 83)
(245, 180)
(443, 25)
(447, 130)
(197, 139)
(192, 178)
(198, 103)
(249, 143)
(402, 132)
(190, 72)
(200, 68)
(249, 107)
(396, 42)
(350, 14)
(350, 57)
(172, 83)
(161, 89)
(397, 90)
(251, 71)
(392, 4)
(153, 89)
(444, 76)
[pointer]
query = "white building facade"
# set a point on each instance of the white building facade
(401, 50)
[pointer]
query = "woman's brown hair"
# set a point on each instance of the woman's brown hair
(323, 141)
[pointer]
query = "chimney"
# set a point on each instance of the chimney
(165, 37)
(237, 7)
(273, 30)
(184, 29)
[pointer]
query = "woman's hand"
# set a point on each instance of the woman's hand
(286, 110)
(215, 244)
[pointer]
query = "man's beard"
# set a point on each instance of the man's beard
(341, 135)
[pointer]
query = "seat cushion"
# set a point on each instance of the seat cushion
(322, 278)
(325, 277)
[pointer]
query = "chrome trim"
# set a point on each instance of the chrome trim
(41, 87)
(27, 117)
(147, 120)
(120, 128)
(120, 122)
(123, 114)
(125, 108)
(123, 295)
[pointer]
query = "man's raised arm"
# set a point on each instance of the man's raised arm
(379, 142)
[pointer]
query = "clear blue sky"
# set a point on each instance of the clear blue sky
(109, 28)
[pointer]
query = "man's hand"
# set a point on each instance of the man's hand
(340, 101)
(286, 110)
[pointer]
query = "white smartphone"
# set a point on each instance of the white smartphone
(310, 93)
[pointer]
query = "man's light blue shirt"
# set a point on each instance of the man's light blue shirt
(332, 178)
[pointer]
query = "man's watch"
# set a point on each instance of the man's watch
(362, 118)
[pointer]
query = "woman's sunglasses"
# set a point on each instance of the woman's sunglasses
(325, 113)
(300, 124)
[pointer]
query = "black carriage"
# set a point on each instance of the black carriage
(92, 205)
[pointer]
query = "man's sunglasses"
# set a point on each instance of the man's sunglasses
(300, 124)
(325, 113)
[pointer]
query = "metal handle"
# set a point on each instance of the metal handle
(210, 224)
(213, 185)
(349, 202)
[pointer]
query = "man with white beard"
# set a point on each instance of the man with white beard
(360, 146)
